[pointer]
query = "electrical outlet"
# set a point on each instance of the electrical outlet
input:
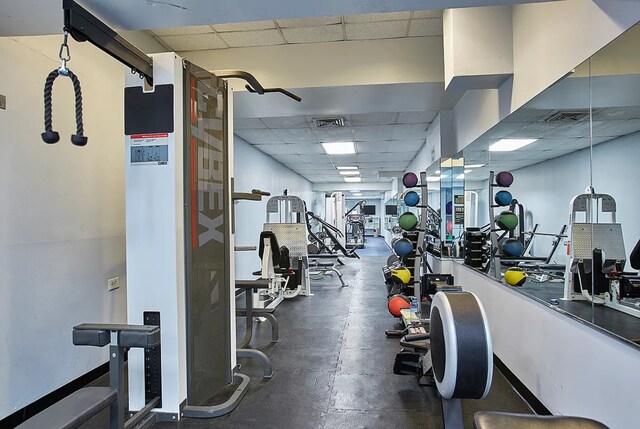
(113, 283)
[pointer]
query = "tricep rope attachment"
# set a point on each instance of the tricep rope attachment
(50, 136)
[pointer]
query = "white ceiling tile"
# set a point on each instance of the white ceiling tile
(240, 39)
(276, 149)
(577, 129)
(416, 117)
(245, 26)
(259, 136)
(613, 113)
(373, 133)
(295, 135)
(347, 159)
(409, 131)
(194, 42)
(379, 118)
(377, 30)
(376, 17)
(389, 146)
(528, 115)
(289, 158)
(502, 130)
(247, 123)
(322, 159)
(307, 149)
(373, 147)
(309, 22)
(427, 14)
(286, 122)
(326, 33)
(198, 29)
(615, 128)
(334, 134)
(425, 27)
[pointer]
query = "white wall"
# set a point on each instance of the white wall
(255, 169)
(62, 221)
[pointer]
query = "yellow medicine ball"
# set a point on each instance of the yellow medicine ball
(515, 277)
(401, 275)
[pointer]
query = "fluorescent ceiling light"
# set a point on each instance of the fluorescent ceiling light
(474, 165)
(443, 176)
(357, 194)
(352, 179)
(468, 171)
(338, 148)
(507, 145)
(460, 176)
(349, 173)
(438, 171)
(347, 167)
(433, 178)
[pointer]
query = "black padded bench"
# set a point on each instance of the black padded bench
(498, 420)
(82, 405)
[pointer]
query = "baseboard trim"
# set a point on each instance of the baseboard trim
(48, 400)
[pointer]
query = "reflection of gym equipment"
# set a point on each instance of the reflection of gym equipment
(512, 246)
(598, 257)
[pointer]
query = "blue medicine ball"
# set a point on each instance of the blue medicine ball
(411, 198)
(403, 247)
(503, 198)
(512, 247)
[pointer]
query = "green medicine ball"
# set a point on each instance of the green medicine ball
(507, 221)
(408, 221)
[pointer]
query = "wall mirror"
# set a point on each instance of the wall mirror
(556, 185)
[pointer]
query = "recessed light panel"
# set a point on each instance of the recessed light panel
(339, 148)
(349, 173)
(352, 179)
(508, 145)
(347, 167)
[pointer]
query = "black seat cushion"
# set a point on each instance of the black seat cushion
(498, 420)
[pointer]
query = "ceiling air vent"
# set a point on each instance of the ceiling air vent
(329, 122)
(568, 115)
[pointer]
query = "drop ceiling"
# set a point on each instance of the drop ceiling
(389, 25)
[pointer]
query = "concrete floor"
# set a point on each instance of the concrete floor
(334, 366)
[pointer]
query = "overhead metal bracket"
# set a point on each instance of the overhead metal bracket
(83, 26)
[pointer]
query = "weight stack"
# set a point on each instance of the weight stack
(476, 248)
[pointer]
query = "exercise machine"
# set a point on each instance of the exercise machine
(178, 127)
(284, 217)
(597, 256)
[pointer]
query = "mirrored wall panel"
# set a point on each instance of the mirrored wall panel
(555, 185)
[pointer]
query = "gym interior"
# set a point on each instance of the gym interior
(319, 214)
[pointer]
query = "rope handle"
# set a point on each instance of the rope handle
(49, 135)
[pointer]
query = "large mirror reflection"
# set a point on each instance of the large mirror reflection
(556, 189)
